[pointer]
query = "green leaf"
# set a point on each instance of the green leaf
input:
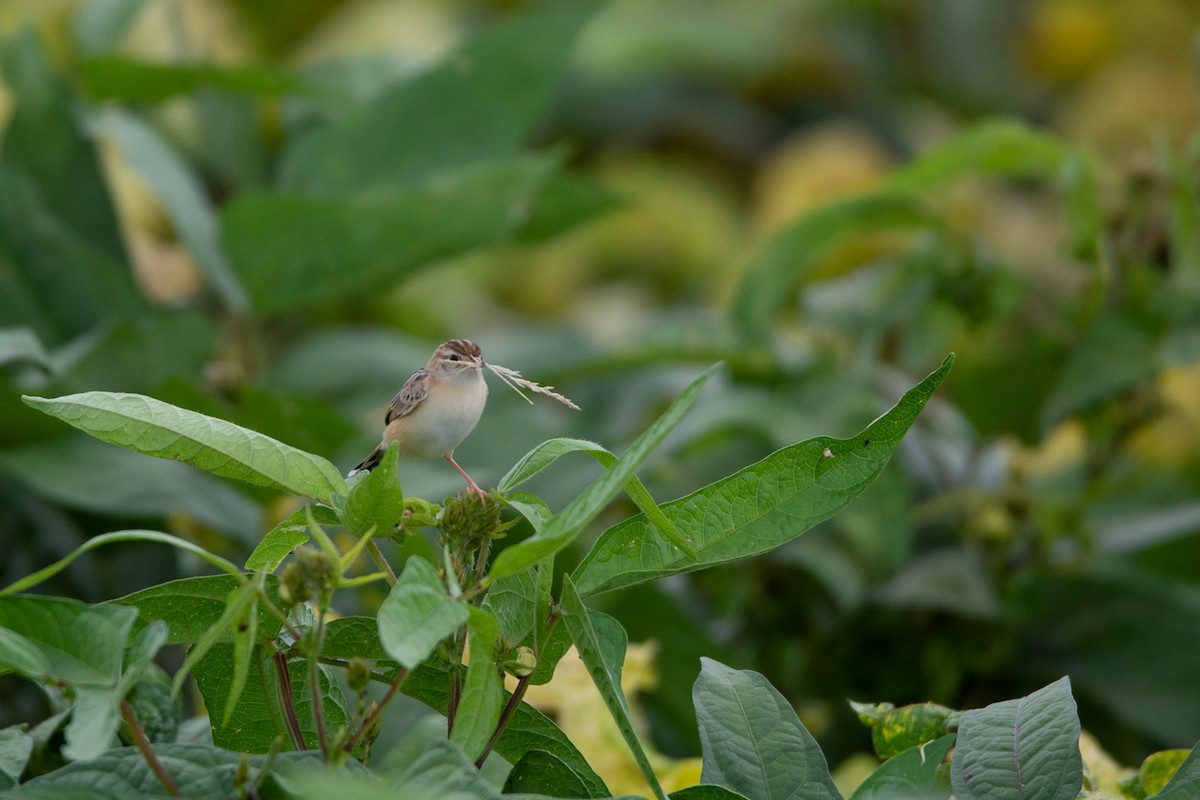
(911, 774)
(199, 770)
(80, 472)
(15, 748)
(528, 729)
(601, 642)
(118, 78)
(118, 536)
(567, 524)
(1185, 782)
(100, 25)
(279, 542)
(1000, 147)
(771, 279)
(244, 631)
(538, 772)
(291, 250)
(706, 791)
(22, 345)
(259, 718)
(376, 499)
(500, 87)
(155, 428)
(190, 606)
(513, 600)
(418, 614)
(1026, 748)
(240, 603)
(759, 507)
(178, 189)
(49, 639)
(1113, 356)
(483, 689)
(752, 740)
(551, 450)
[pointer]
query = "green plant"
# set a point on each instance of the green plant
(263, 649)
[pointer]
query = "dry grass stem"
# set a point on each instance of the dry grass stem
(515, 381)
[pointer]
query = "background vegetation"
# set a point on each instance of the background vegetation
(273, 215)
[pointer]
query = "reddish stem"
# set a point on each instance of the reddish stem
(289, 708)
(143, 746)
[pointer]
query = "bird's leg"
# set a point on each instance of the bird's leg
(474, 487)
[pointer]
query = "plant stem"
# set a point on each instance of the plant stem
(370, 720)
(377, 557)
(289, 708)
(514, 701)
(143, 746)
(481, 559)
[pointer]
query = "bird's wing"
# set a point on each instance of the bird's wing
(415, 390)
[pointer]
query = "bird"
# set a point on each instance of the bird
(436, 409)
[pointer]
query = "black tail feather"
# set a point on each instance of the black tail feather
(370, 462)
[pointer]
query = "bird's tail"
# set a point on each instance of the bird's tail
(370, 462)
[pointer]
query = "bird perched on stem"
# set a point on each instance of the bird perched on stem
(438, 406)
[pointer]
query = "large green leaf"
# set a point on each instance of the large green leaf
(752, 740)
(1026, 749)
(539, 772)
(1185, 783)
(500, 85)
(758, 508)
(258, 718)
(190, 606)
(376, 499)
(57, 640)
(568, 523)
(291, 249)
(156, 428)
(199, 770)
(601, 642)
(418, 614)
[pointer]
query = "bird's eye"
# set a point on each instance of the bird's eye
(454, 357)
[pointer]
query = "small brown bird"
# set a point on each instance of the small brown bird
(438, 406)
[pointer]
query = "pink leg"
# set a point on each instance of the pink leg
(474, 487)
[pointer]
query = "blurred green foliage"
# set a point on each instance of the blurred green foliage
(270, 216)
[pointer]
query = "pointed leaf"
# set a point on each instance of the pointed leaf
(911, 775)
(752, 740)
(758, 508)
(483, 689)
(418, 614)
(601, 642)
(1185, 782)
(190, 606)
(551, 450)
(567, 524)
(376, 499)
(156, 428)
(1027, 749)
(279, 543)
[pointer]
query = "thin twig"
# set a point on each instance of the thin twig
(375, 712)
(514, 701)
(377, 557)
(289, 707)
(452, 700)
(143, 746)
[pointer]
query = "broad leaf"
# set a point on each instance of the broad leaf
(1026, 749)
(190, 606)
(707, 791)
(418, 614)
(291, 249)
(15, 748)
(539, 772)
(64, 641)
(375, 500)
(279, 542)
(601, 643)
(500, 85)
(258, 717)
(911, 775)
(752, 740)
(567, 524)
(758, 508)
(1185, 783)
(156, 428)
